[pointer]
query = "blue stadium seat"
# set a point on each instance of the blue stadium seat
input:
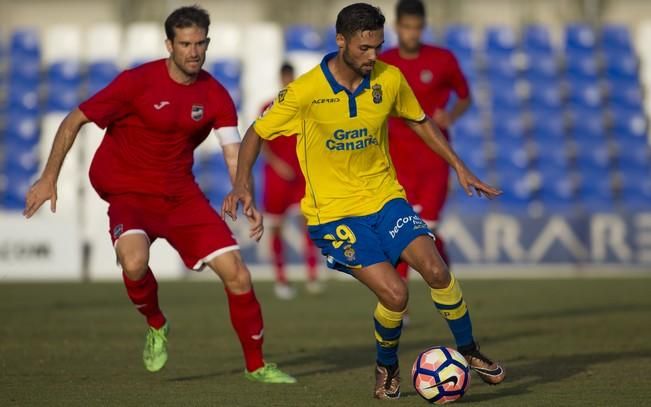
(21, 160)
(100, 74)
(616, 37)
(541, 66)
(622, 67)
(459, 39)
(18, 183)
(505, 94)
(25, 42)
(227, 71)
(585, 117)
(627, 122)
(635, 192)
(501, 66)
(545, 95)
(500, 40)
(475, 155)
(579, 37)
(547, 125)
(508, 123)
(22, 130)
(469, 126)
(559, 191)
(303, 38)
(581, 65)
(62, 98)
(537, 39)
(64, 74)
(519, 190)
(23, 100)
(429, 36)
(512, 155)
(597, 194)
(584, 93)
(624, 94)
(550, 155)
(460, 203)
(632, 151)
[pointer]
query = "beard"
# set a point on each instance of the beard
(187, 70)
(351, 64)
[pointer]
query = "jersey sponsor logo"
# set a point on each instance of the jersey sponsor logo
(416, 221)
(325, 100)
(357, 139)
(197, 112)
(426, 76)
(161, 104)
(281, 95)
(377, 93)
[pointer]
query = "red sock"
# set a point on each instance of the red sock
(440, 246)
(403, 269)
(246, 318)
(278, 257)
(310, 258)
(144, 295)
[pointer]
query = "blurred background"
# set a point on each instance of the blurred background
(559, 121)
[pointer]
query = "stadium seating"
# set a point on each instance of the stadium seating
(548, 119)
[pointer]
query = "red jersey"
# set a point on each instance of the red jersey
(284, 148)
(153, 126)
(432, 75)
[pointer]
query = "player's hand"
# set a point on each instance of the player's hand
(255, 219)
(42, 190)
(470, 182)
(232, 202)
(442, 118)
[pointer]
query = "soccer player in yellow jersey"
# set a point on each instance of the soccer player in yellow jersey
(355, 208)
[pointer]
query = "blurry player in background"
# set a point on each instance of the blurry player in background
(433, 73)
(356, 210)
(156, 115)
(284, 187)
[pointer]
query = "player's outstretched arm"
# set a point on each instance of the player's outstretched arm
(45, 188)
(432, 136)
(243, 185)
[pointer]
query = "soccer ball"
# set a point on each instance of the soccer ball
(440, 375)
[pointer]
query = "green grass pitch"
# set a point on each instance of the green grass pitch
(563, 342)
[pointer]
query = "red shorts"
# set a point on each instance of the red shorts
(280, 194)
(426, 182)
(189, 224)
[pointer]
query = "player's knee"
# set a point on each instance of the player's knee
(437, 272)
(396, 297)
(134, 265)
(235, 275)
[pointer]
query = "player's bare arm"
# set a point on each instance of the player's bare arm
(45, 188)
(432, 136)
(254, 216)
(243, 185)
(445, 119)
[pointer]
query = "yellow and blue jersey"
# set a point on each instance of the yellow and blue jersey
(342, 144)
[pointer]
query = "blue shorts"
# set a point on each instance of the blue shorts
(360, 241)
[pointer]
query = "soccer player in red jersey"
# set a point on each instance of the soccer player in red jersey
(156, 115)
(433, 73)
(284, 187)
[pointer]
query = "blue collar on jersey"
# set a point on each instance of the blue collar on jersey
(337, 87)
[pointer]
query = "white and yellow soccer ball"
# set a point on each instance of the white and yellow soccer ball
(440, 375)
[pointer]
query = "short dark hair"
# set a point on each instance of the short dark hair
(286, 68)
(410, 8)
(359, 17)
(184, 17)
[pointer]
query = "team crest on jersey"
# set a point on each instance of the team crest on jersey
(197, 112)
(349, 252)
(281, 95)
(117, 231)
(377, 93)
(426, 76)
